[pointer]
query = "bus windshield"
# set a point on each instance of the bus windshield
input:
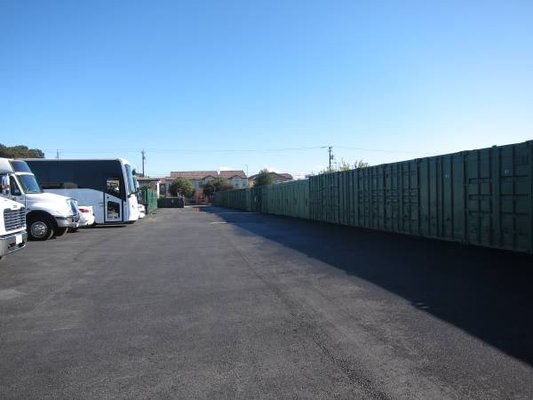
(129, 176)
(29, 183)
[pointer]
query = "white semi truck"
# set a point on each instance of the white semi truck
(13, 234)
(47, 214)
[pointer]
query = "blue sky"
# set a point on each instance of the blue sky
(253, 84)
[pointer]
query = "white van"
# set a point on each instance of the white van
(47, 214)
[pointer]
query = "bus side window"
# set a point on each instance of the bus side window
(113, 186)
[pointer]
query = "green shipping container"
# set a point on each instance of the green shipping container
(290, 199)
(238, 199)
(148, 197)
(480, 197)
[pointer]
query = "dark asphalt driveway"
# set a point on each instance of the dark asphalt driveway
(220, 304)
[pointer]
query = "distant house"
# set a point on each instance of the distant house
(237, 179)
(276, 177)
(152, 183)
(197, 178)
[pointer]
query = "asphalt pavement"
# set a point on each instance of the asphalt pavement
(212, 303)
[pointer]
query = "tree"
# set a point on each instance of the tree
(263, 178)
(360, 164)
(20, 151)
(344, 166)
(181, 187)
(216, 185)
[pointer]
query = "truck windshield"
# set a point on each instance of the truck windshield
(29, 183)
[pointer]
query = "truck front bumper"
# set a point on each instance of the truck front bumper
(13, 242)
(71, 221)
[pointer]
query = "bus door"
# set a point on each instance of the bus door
(113, 211)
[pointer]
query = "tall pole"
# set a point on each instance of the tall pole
(330, 151)
(143, 158)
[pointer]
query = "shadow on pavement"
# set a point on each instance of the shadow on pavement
(487, 293)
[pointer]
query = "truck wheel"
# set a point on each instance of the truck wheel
(60, 232)
(40, 227)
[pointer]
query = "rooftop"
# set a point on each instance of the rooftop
(200, 175)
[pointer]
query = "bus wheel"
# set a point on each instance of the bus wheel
(40, 227)
(60, 232)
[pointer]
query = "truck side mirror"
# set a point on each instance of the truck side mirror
(4, 185)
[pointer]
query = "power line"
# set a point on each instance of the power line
(303, 148)
(166, 150)
(382, 150)
(268, 150)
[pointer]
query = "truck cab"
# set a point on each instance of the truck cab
(47, 214)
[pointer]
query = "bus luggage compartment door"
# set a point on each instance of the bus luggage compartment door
(113, 209)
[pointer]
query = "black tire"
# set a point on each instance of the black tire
(58, 232)
(40, 227)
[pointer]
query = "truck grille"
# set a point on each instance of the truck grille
(14, 219)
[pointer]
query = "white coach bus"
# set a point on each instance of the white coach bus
(106, 185)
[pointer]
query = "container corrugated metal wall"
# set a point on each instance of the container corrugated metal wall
(148, 197)
(290, 199)
(481, 197)
(239, 199)
(324, 198)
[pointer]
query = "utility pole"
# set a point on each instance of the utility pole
(143, 158)
(330, 151)
(57, 154)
